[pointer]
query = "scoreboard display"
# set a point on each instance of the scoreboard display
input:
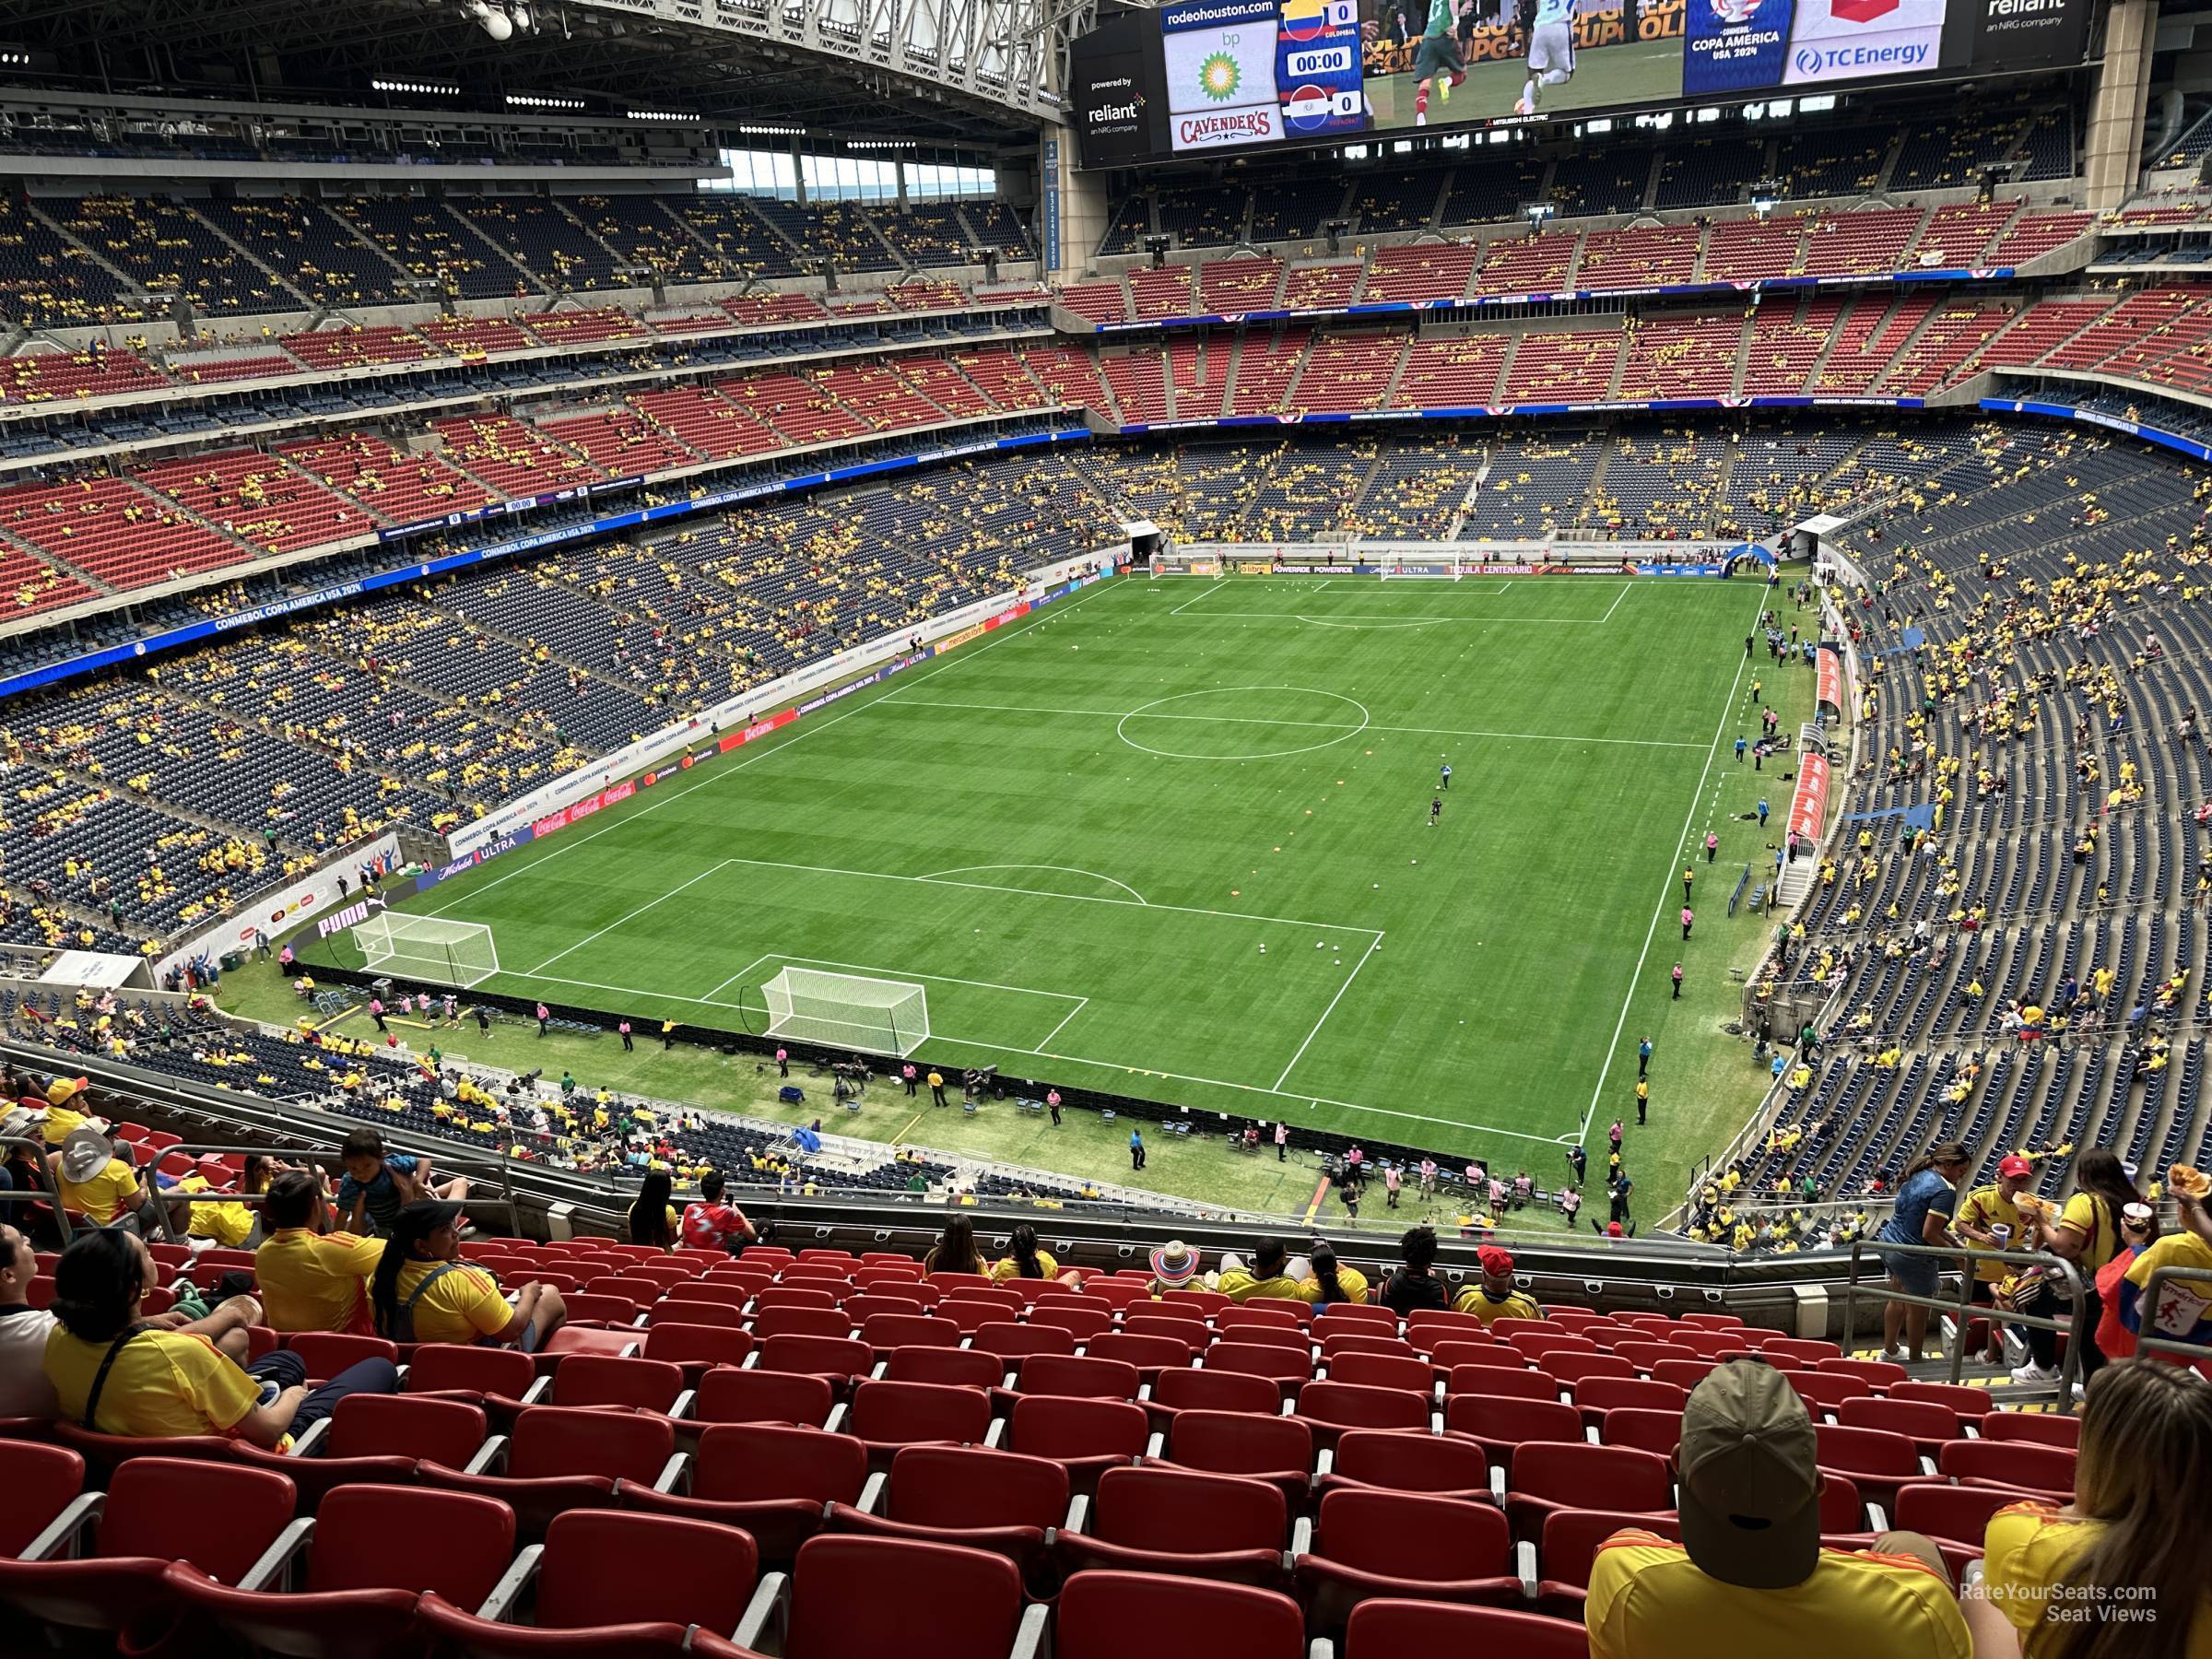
(1197, 75)
(1244, 72)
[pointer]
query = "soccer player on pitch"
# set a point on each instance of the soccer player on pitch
(1551, 50)
(1439, 51)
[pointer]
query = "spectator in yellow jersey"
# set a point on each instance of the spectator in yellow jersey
(1328, 1281)
(1025, 1258)
(2057, 1581)
(1494, 1297)
(92, 1177)
(1265, 1278)
(116, 1372)
(68, 1100)
(423, 1292)
(1749, 1574)
(1987, 1220)
(310, 1278)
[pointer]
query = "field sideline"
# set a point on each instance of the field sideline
(1078, 834)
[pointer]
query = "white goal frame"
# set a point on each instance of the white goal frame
(429, 948)
(848, 1010)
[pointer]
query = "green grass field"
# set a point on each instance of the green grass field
(1606, 77)
(1078, 833)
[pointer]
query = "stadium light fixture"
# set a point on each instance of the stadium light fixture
(661, 115)
(415, 88)
(540, 100)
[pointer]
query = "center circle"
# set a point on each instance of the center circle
(1243, 722)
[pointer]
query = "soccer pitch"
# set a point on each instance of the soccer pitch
(1173, 839)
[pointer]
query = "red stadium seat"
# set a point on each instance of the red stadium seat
(1277, 1450)
(1009, 1340)
(609, 1584)
(377, 1437)
(2008, 1463)
(1113, 1615)
(1331, 1408)
(1876, 1461)
(885, 1416)
(729, 1395)
(828, 1323)
(1647, 1429)
(1419, 1630)
(1498, 1425)
(1368, 1544)
(1971, 1404)
(1182, 1389)
(770, 1479)
(694, 1348)
(838, 1358)
(1570, 1543)
(1388, 1459)
(1435, 1324)
(1955, 1514)
(963, 1367)
(156, 1511)
(1383, 1371)
(1927, 1425)
(1549, 1476)
(2040, 1428)
(326, 1353)
(655, 1385)
(1826, 1391)
(1090, 1437)
(1499, 1384)
(1083, 1378)
(1174, 1520)
(1149, 1355)
(1079, 1315)
(562, 1457)
(969, 1496)
(365, 1572)
(1288, 1369)
(974, 1601)
(40, 1481)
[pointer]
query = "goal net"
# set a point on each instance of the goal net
(429, 948)
(1398, 570)
(847, 1010)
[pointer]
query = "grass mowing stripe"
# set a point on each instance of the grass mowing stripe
(800, 730)
(1651, 933)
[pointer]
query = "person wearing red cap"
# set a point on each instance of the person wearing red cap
(1495, 1297)
(1988, 1222)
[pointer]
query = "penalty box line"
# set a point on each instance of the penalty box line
(1456, 1124)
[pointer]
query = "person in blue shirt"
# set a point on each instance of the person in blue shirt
(1136, 1149)
(1925, 1198)
(377, 1183)
(1643, 1056)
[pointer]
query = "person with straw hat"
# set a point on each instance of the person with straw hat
(92, 1180)
(1174, 1265)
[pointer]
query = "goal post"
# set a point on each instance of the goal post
(847, 1010)
(429, 948)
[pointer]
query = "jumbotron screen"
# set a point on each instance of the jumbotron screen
(1202, 75)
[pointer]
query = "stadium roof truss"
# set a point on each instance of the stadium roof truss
(1010, 54)
(985, 70)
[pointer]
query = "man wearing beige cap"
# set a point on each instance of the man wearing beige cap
(1749, 1574)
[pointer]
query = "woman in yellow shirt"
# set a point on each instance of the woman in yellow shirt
(1326, 1282)
(116, 1372)
(1025, 1260)
(2125, 1571)
(2086, 1233)
(424, 1292)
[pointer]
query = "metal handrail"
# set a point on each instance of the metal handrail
(1962, 1308)
(2187, 1353)
(44, 1192)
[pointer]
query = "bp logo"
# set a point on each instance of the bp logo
(1220, 77)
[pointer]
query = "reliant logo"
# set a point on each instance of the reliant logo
(2025, 8)
(1106, 112)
